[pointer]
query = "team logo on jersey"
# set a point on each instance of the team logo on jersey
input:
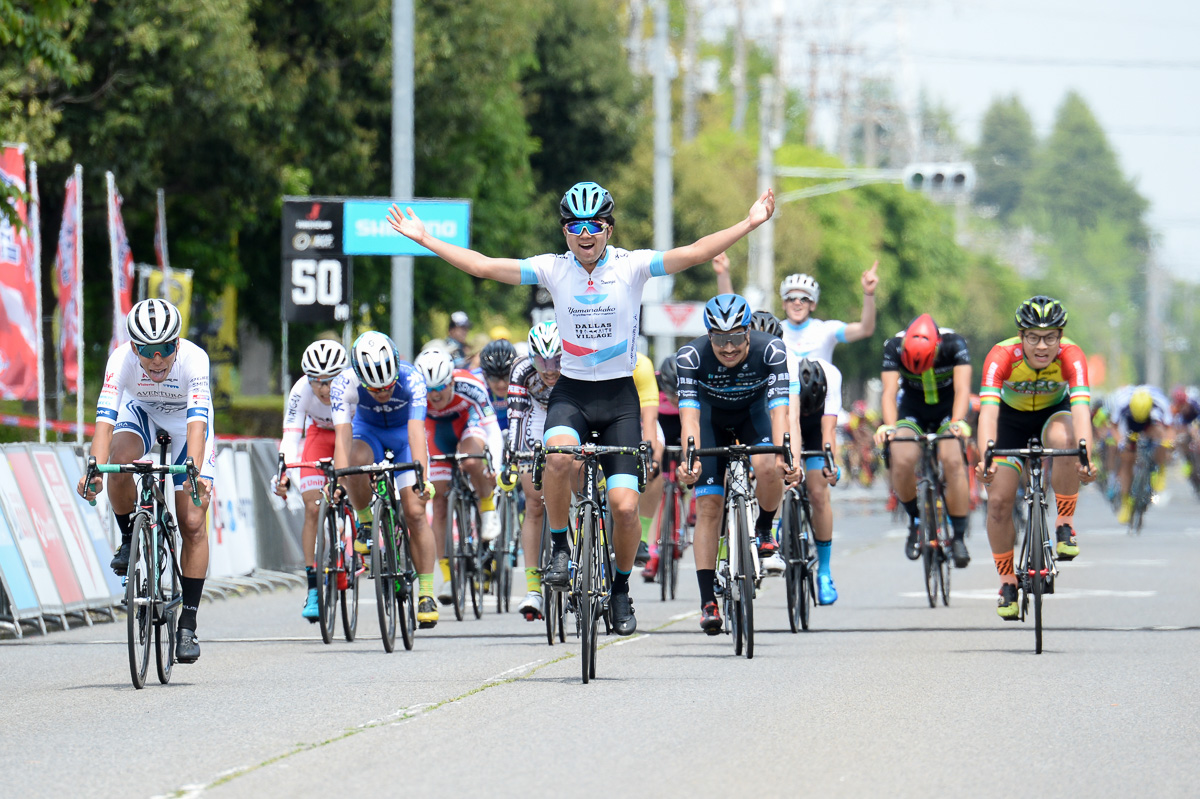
(688, 358)
(590, 357)
(590, 296)
(776, 353)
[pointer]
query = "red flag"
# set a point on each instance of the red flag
(122, 263)
(67, 287)
(18, 295)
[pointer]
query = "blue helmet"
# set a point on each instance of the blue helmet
(724, 312)
(586, 201)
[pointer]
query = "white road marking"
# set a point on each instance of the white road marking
(1074, 593)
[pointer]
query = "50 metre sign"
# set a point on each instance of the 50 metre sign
(316, 289)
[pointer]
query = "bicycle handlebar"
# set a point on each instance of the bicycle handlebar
(188, 467)
(826, 453)
(738, 450)
(1036, 450)
(592, 450)
(925, 440)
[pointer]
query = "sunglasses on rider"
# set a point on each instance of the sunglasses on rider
(320, 381)
(165, 349)
(592, 226)
(729, 339)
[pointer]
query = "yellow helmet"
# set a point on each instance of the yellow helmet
(499, 332)
(1140, 405)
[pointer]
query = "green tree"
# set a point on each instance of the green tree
(1004, 157)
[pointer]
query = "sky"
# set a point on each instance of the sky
(1136, 64)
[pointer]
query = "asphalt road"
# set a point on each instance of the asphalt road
(883, 697)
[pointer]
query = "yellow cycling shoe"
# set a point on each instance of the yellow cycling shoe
(1125, 512)
(1067, 548)
(427, 613)
(1158, 480)
(1007, 607)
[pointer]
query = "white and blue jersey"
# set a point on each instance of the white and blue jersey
(813, 338)
(380, 424)
(599, 313)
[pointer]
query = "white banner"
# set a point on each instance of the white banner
(74, 533)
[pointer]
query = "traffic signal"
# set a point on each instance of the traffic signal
(946, 179)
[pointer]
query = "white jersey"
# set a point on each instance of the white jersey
(598, 314)
(302, 403)
(813, 338)
(833, 384)
(184, 394)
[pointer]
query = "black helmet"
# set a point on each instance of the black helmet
(1041, 312)
(668, 376)
(586, 201)
(496, 359)
(767, 323)
(813, 388)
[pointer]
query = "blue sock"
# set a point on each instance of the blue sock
(824, 550)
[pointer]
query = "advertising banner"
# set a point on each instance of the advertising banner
(94, 519)
(79, 544)
(122, 265)
(68, 286)
(18, 290)
(26, 533)
(53, 545)
(366, 230)
(17, 585)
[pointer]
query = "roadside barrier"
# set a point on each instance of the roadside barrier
(55, 547)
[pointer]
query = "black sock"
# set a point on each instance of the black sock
(706, 577)
(620, 582)
(911, 508)
(959, 523)
(558, 541)
(311, 574)
(125, 526)
(193, 589)
(766, 520)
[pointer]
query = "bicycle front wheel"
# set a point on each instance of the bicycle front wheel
(583, 595)
(454, 556)
(139, 599)
(169, 596)
(929, 554)
(352, 563)
(1037, 564)
(474, 556)
(406, 597)
(327, 573)
(790, 544)
(746, 576)
(383, 567)
(944, 552)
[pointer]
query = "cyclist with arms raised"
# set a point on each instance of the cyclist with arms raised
(927, 389)
(159, 382)
(734, 380)
(1035, 385)
(321, 362)
(378, 405)
(597, 294)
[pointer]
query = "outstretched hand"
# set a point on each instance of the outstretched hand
(870, 279)
(409, 225)
(721, 263)
(763, 208)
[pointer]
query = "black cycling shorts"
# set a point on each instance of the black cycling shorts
(913, 412)
(750, 426)
(610, 410)
(1014, 428)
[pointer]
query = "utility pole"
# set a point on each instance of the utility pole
(690, 41)
(810, 122)
(402, 166)
(738, 78)
(762, 240)
(635, 44)
(779, 95)
(658, 289)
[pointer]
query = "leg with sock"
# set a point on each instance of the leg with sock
(1067, 548)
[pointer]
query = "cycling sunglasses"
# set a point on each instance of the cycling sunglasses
(727, 339)
(165, 349)
(592, 226)
(442, 387)
(320, 381)
(551, 364)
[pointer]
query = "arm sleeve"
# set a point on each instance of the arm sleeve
(891, 355)
(416, 392)
(996, 369)
(775, 359)
(343, 398)
(199, 404)
(293, 421)
(533, 270)
(109, 401)
(833, 390)
(687, 366)
(1075, 371)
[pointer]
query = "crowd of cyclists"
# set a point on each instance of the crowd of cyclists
(751, 379)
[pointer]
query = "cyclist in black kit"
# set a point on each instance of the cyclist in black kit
(733, 383)
(927, 389)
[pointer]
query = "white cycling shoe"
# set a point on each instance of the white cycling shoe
(774, 564)
(531, 606)
(491, 525)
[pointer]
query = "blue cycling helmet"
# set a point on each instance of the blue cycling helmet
(586, 201)
(724, 312)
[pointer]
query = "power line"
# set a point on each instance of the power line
(1044, 61)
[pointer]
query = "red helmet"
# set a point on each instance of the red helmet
(1179, 395)
(920, 346)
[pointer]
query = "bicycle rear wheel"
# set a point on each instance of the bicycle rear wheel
(327, 572)
(475, 557)
(944, 552)
(139, 599)
(351, 562)
(406, 597)
(789, 544)
(169, 593)
(383, 567)
(666, 545)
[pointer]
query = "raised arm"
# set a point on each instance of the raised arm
(865, 327)
(710, 246)
(504, 270)
(721, 270)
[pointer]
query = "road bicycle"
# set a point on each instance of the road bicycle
(798, 546)
(934, 535)
(591, 579)
(738, 569)
(339, 567)
(1035, 569)
(464, 548)
(153, 590)
(673, 533)
(1141, 492)
(502, 552)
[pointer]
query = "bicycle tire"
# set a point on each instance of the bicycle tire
(551, 599)
(349, 596)
(584, 613)
(746, 589)
(945, 550)
(666, 544)
(454, 557)
(474, 561)
(789, 545)
(406, 597)
(383, 567)
(327, 573)
(929, 552)
(808, 583)
(139, 609)
(501, 557)
(1037, 553)
(168, 616)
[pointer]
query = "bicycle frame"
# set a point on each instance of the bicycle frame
(465, 552)
(798, 546)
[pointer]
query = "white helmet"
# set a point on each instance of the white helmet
(436, 367)
(545, 347)
(324, 359)
(800, 284)
(153, 322)
(375, 359)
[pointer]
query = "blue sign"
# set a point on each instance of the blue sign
(366, 230)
